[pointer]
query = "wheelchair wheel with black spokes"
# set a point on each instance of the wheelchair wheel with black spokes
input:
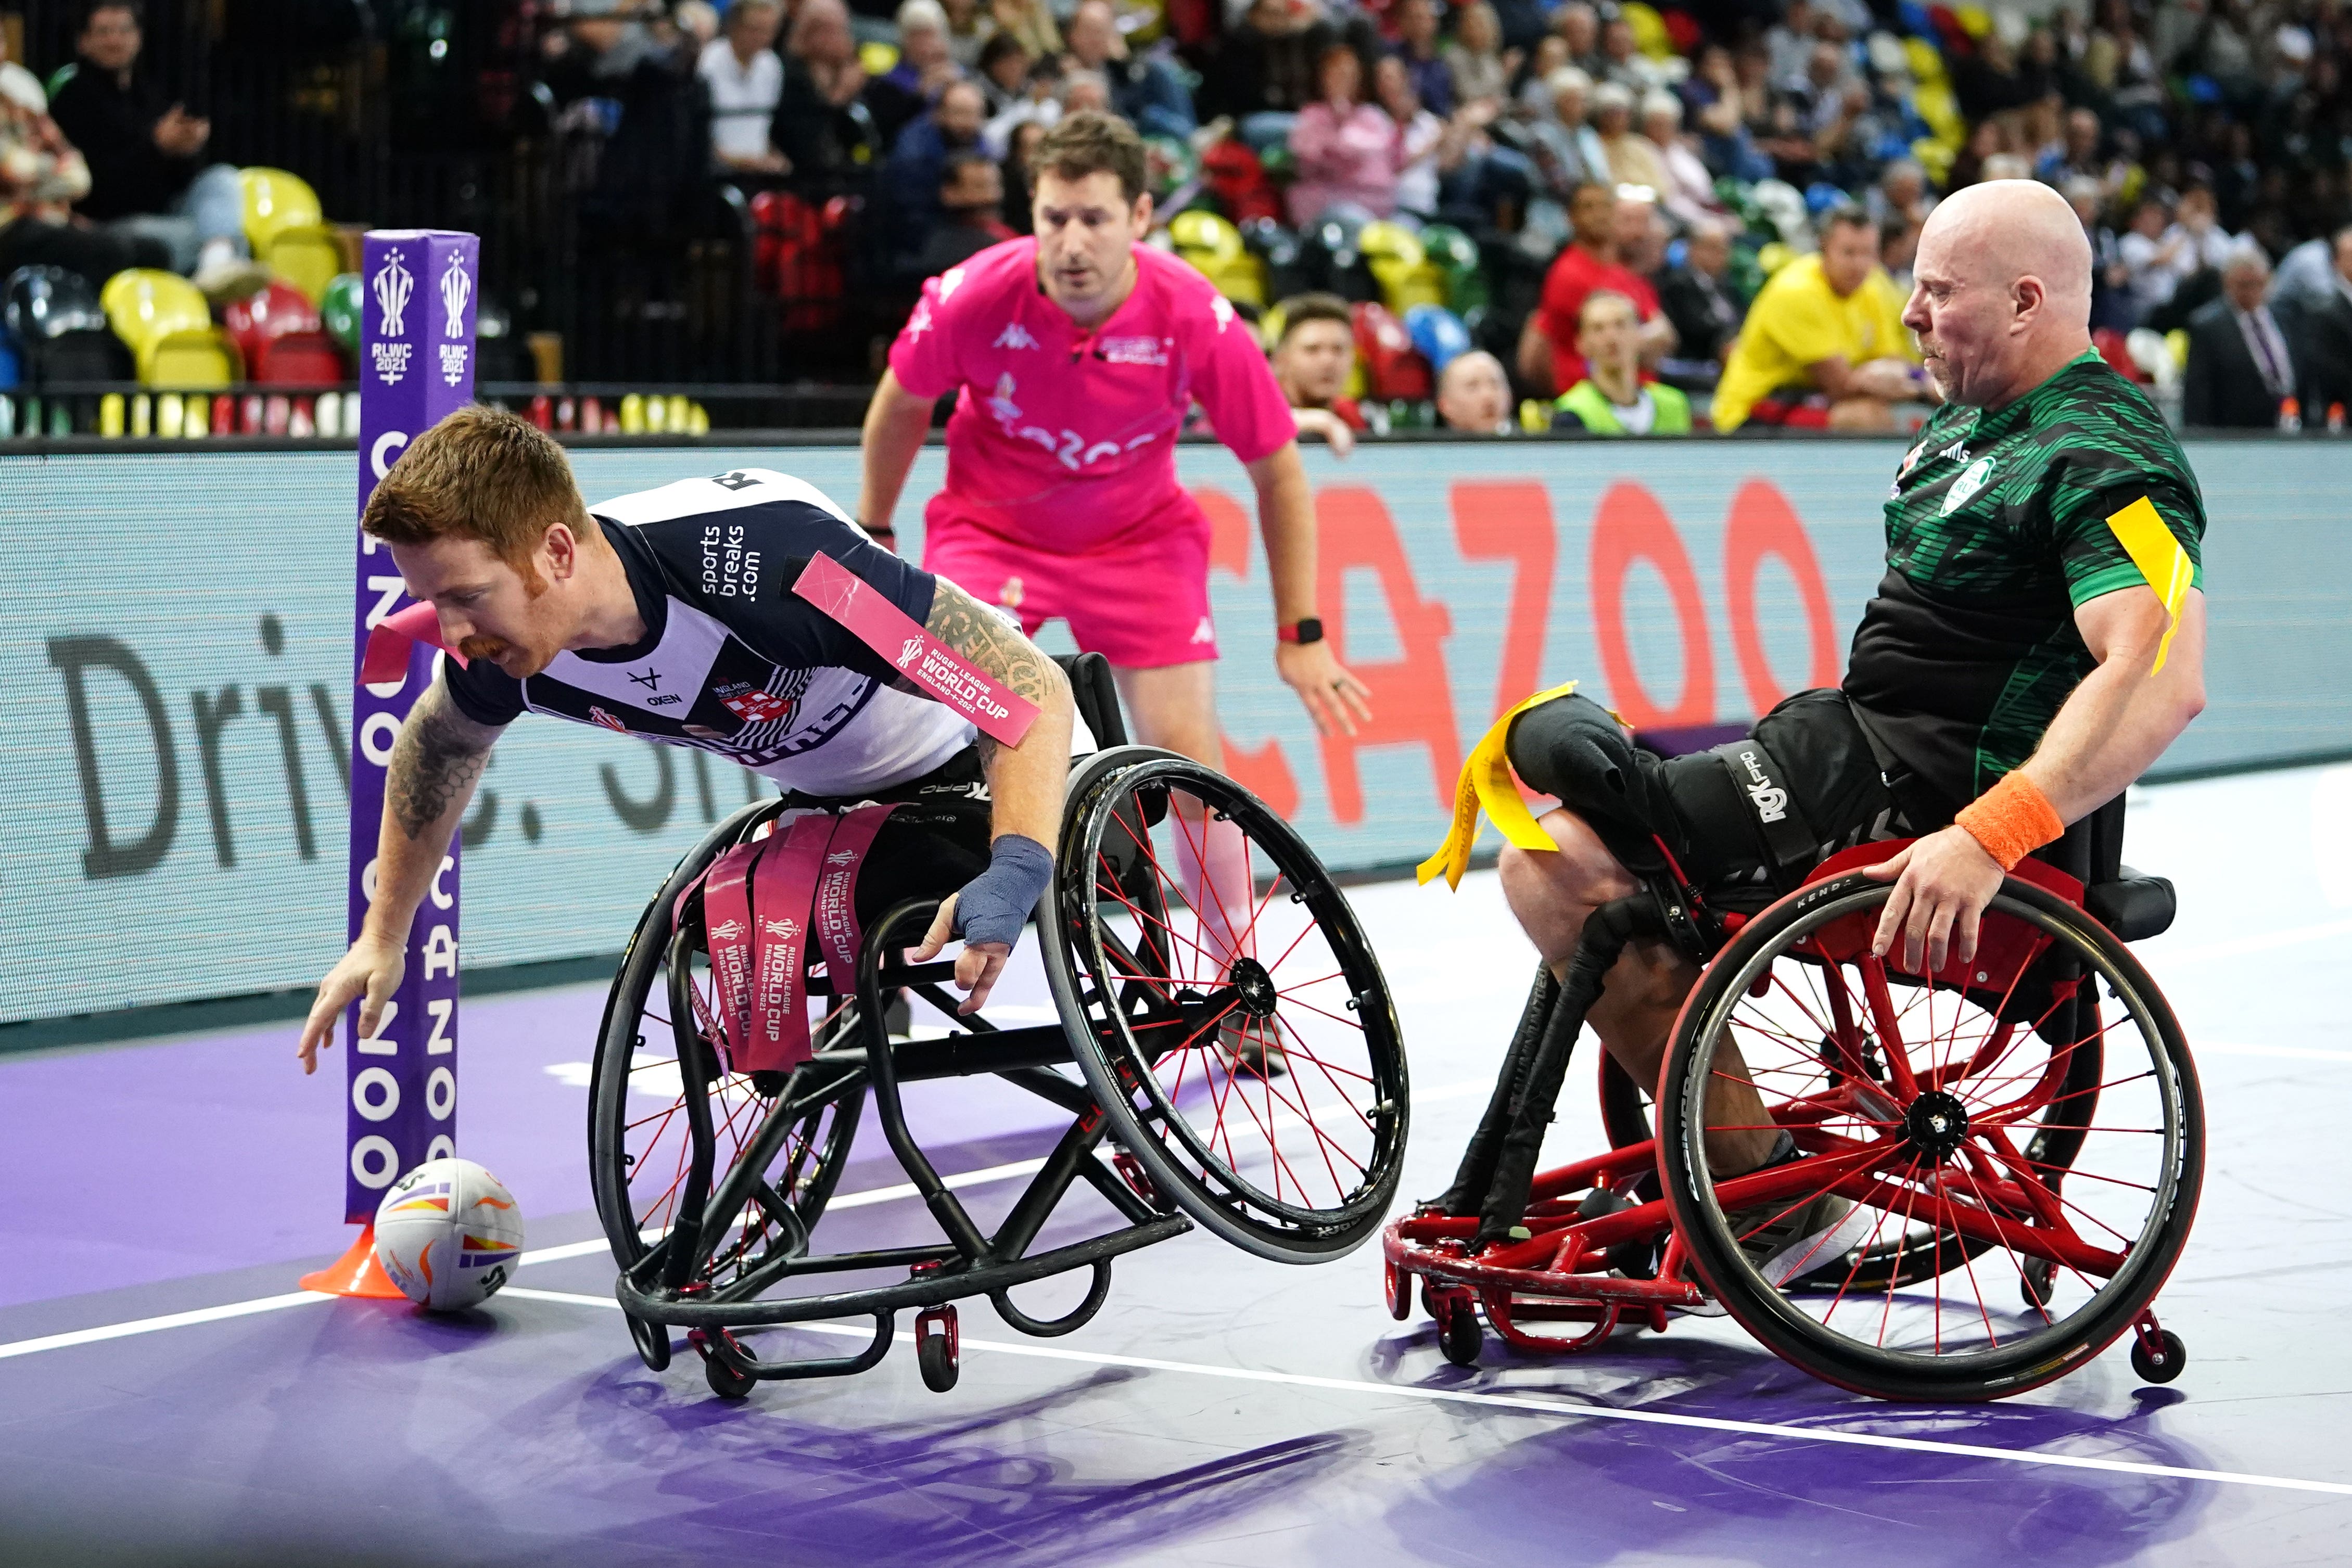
(1999, 1163)
(1225, 1008)
(662, 1093)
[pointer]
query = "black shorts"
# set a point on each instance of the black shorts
(1711, 809)
(937, 841)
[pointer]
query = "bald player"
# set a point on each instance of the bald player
(2016, 669)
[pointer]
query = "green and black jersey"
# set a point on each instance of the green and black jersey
(1997, 527)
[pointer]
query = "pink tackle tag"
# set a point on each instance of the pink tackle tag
(390, 639)
(836, 913)
(781, 886)
(1003, 716)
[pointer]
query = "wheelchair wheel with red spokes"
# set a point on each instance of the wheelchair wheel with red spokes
(1225, 1008)
(1999, 1164)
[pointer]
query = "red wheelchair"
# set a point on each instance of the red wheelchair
(2020, 1139)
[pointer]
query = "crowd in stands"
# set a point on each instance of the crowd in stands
(1644, 217)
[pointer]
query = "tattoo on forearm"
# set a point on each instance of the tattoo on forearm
(434, 764)
(973, 629)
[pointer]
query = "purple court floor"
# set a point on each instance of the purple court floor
(167, 1395)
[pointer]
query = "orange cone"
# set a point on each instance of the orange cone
(355, 1273)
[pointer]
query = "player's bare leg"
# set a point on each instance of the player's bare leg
(1551, 893)
(1174, 706)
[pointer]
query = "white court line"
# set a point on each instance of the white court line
(1560, 1408)
(552, 1255)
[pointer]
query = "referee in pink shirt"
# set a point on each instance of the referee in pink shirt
(1076, 356)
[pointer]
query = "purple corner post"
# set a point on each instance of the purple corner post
(416, 365)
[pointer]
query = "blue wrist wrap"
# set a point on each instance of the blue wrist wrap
(995, 904)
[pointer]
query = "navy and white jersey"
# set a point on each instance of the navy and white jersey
(732, 660)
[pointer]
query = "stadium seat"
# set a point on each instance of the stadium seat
(1401, 267)
(253, 321)
(1438, 335)
(1455, 255)
(297, 360)
(288, 230)
(169, 329)
(339, 310)
(1392, 367)
(1214, 247)
(1331, 254)
(1237, 179)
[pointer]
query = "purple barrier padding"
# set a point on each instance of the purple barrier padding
(416, 365)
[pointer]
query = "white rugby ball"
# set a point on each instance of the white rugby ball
(448, 1234)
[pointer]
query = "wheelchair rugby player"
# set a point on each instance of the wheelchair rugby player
(2036, 644)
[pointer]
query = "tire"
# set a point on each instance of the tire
(2164, 1366)
(1459, 1335)
(1161, 1004)
(725, 1381)
(640, 1146)
(1937, 1147)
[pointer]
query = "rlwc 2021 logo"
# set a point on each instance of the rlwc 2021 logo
(392, 285)
(911, 651)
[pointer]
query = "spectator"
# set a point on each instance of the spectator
(1001, 73)
(1474, 395)
(1548, 342)
(914, 172)
(41, 176)
(650, 182)
(2240, 365)
(1826, 329)
(1349, 154)
(968, 32)
(1266, 74)
(1697, 297)
(1688, 191)
(1624, 64)
(2326, 330)
(825, 128)
(971, 209)
(1640, 231)
(1901, 191)
(1312, 361)
(1029, 21)
(1417, 47)
(1019, 187)
(2111, 303)
(1474, 58)
(745, 78)
(2077, 156)
(1633, 159)
(1039, 105)
(2155, 258)
(1567, 152)
(1145, 90)
(926, 65)
(1426, 146)
(144, 153)
(1611, 399)
(1898, 253)
(697, 23)
(1789, 46)
(1579, 25)
(1531, 91)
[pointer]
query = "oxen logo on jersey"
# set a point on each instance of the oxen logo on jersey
(651, 678)
(1014, 336)
(1136, 351)
(606, 720)
(1972, 479)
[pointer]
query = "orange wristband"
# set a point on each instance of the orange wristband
(2012, 820)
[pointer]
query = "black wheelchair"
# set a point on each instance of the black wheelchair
(1245, 1070)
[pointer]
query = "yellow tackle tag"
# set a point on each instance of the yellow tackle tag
(2160, 559)
(1487, 781)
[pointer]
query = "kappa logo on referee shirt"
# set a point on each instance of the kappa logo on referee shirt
(1014, 336)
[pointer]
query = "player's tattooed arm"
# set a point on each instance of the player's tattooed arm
(994, 648)
(434, 763)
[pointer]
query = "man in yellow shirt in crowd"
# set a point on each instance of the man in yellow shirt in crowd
(1825, 339)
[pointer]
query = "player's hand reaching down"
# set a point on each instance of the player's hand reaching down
(1334, 699)
(1942, 884)
(988, 912)
(368, 973)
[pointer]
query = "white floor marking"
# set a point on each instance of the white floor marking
(171, 1321)
(1561, 1408)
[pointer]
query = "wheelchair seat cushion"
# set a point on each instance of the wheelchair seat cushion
(2135, 906)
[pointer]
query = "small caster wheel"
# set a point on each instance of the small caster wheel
(1458, 1333)
(724, 1380)
(2162, 1362)
(1397, 1291)
(2040, 1276)
(936, 1349)
(651, 1341)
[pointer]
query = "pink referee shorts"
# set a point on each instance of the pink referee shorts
(1142, 603)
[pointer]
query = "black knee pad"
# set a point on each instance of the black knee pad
(1571, 748)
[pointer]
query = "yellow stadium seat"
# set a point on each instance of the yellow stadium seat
(1207, 233)
(878, 58)
(191, 358)
(1936, 157)
(306, 258)
(1941, 111)
(1975, 21)
(1650, 36)
(142, 304)
(1926, 62)
(1404, 271)
(276, 200)
(1240, 279)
